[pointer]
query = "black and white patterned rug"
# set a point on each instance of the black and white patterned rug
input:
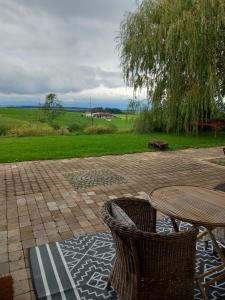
(78, 268)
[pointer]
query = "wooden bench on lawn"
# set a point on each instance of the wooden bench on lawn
(158, 144)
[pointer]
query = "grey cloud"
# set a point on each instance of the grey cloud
(21, 80)
(90, 9)
(61, 46)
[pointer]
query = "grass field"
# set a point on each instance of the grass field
(14, 149)
(11, 117)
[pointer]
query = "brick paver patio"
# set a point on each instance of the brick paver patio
(39, 205)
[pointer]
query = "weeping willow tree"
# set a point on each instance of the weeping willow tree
(176, 50)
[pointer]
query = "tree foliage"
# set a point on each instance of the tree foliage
(52, 107)
(107, 109)
(134, 106)
(176, 50)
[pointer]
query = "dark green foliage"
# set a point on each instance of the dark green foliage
(133, 106)
(75, 127)
(176, 49)
(55, 126)
(144, 122)
(221, 109)
(115, 111)
(51, 108)
(3, 130)
(148, 121)
(107, 109)
(100, 129)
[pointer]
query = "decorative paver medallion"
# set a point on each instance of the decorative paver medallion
(88, 178)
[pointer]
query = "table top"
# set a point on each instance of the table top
(195, 205)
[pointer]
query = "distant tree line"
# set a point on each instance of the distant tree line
(107, 109)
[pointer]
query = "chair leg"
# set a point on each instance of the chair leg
(108, 283)
(206, 244)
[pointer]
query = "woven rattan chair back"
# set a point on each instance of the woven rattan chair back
(149, 265)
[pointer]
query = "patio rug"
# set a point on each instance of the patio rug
(78, 268)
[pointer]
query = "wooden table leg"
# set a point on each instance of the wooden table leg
(215, 244)
(201, 288)
(199, 277)
(174, 223)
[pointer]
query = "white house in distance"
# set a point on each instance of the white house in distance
(88, 114)
(100, 115)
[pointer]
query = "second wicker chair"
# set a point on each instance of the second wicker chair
(149, 265)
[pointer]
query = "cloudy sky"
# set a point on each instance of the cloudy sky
(61, 46)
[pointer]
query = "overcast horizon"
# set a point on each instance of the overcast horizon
(65, 47)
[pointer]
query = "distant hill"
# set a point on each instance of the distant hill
(74, 108)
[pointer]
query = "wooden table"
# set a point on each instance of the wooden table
(198, 206)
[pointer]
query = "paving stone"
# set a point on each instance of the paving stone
(63, 228)
(15, 247)
(21, 287)
(16, 265)
(3, 248)
(84, 224)
(4, 257)
(4, 268)
(42, 240)
(15, 256)
(66, 235)
(28, 243)
(26, 296)
(14, 239)
(20, 274)
(54, 238)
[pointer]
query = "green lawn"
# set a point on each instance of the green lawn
(55, 147)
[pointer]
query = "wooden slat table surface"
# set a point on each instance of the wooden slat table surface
(196, 205)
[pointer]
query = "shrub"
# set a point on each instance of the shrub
(61, 131)
(32, 130)
(100, 129)
(55, 126)
(75, 127)
(8, 123)
(144, 122)
(147, 122)
(3, 130)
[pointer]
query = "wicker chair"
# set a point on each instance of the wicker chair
(149, 265)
